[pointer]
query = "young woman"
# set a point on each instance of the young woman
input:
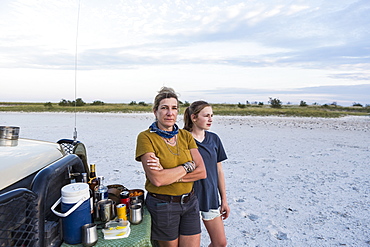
(172, 163)
(198, 120)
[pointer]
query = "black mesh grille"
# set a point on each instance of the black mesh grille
(68, 148)
(18, 222)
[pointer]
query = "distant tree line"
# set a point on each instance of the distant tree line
(77, 102)
(274, 103)
(277, 103)
(142, 103)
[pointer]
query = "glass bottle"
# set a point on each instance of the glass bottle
(101, 191)
(84, 177)
(85, 180)
(93, 182)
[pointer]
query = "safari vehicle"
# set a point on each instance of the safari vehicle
(32, 175)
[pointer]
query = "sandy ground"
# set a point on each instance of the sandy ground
(290, 181)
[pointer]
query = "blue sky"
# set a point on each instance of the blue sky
(219, 51)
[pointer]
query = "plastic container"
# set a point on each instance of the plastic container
(116, 230)
(76, 211)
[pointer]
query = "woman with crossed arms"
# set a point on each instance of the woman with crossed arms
(172, 163)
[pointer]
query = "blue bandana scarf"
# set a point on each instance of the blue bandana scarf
(163, 133)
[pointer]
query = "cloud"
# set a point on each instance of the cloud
(337, 89)
(276, 44)
(314, 34)
(352, 76)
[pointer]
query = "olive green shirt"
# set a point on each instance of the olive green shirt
(169, 157)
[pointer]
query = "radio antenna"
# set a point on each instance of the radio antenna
(75, 127)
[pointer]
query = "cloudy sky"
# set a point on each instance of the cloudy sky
(221, 51)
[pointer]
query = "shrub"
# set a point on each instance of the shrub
(48, 105)
(186, 104)
(97, 102)
(78, 102)
(302, 103)
(64, 102)
(275, 103)
(356, 104)
(241, 105)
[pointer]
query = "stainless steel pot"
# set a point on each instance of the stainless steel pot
(9, 132)
(9, 136)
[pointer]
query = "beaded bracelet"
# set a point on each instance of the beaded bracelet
(189, 166)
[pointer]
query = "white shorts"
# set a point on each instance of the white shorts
(210, 215)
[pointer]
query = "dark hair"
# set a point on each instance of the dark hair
(194, 108)
(164, 93)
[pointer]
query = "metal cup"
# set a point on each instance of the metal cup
(136, 215)
(138, 202)
(89, 234)
(106, 209)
